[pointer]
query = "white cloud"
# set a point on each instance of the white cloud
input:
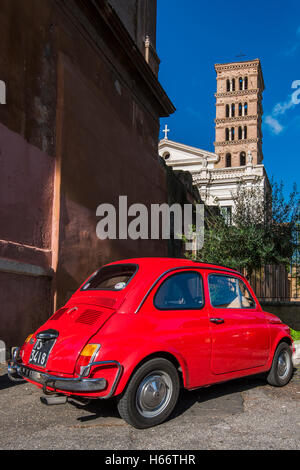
(282, 108)
(274, 125)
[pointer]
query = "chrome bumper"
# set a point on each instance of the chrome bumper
(18, 372)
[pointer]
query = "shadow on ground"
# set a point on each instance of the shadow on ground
(219, 399)
(5, 382)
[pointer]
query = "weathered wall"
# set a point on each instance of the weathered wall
(108, 150)
(27, 148)
(139, 17)
(80, 127)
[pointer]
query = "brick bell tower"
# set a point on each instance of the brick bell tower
(239, 113)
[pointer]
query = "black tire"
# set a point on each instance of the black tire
(151, 394)
(282, 366)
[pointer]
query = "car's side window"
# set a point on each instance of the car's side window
(181, 291)
(229, 292)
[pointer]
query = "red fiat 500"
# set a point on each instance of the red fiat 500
(142, 328)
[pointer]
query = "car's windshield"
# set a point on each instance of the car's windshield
(114, 277)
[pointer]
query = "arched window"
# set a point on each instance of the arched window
(232, 133)
(233, 110)
(245, 132)
(246, 83)
(227, 134)
(240, 83)
(233, 85)
(228, 160)
(246, 109)
(242, 159)
(240, 133)
(240, 109)
(227, 110)
(228, 85)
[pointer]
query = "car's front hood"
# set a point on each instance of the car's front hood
(75, 326)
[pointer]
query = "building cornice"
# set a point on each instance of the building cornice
(237, 119)
(236, 142)
(166, 143)
(255, 91)
(230, 175)
(238, 65)
(99, 14)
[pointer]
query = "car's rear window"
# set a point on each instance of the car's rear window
(114, 277)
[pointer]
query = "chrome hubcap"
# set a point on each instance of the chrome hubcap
(154, 394)
(283, 364)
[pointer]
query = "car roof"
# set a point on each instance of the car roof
(169, 263)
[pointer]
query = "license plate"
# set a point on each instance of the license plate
(40, 352)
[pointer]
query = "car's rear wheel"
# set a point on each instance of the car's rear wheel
(282, 366)
(151, 394)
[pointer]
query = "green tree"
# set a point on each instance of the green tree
(260, 233)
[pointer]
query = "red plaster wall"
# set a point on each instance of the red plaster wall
(107, 151)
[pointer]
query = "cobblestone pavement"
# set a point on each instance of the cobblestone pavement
(242, 414)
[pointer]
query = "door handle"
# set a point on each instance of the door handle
(217, 321)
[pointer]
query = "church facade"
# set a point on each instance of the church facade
(238, 146)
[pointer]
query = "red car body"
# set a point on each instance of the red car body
(207, 344)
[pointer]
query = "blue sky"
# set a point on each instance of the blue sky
(193, 35)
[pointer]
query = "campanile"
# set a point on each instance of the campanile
(239, 113)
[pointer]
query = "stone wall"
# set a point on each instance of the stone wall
(288, 312)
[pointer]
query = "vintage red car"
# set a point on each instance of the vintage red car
(140, 329)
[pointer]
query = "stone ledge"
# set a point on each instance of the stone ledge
(296, 355)
(17, 267)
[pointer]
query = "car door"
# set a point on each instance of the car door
(177, 316)
(240, 333)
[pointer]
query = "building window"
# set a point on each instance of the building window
(242, 159)
(240, 83)
(246, 109)
(227, 110)
(232, 133)
(240, 133)
(233, 85)
(240, 109)
(233, 110)
(228, 85)
(228, 160)
(245, 132)
(226, 134)
(166, 155)
(246, 83)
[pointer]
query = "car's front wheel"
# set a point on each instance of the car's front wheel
(151, 394)
(282, 366)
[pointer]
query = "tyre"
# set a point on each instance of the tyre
(151, 394)
(282, 366)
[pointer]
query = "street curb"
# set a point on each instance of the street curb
(296, 355)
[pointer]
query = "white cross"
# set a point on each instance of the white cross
(166, 130)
